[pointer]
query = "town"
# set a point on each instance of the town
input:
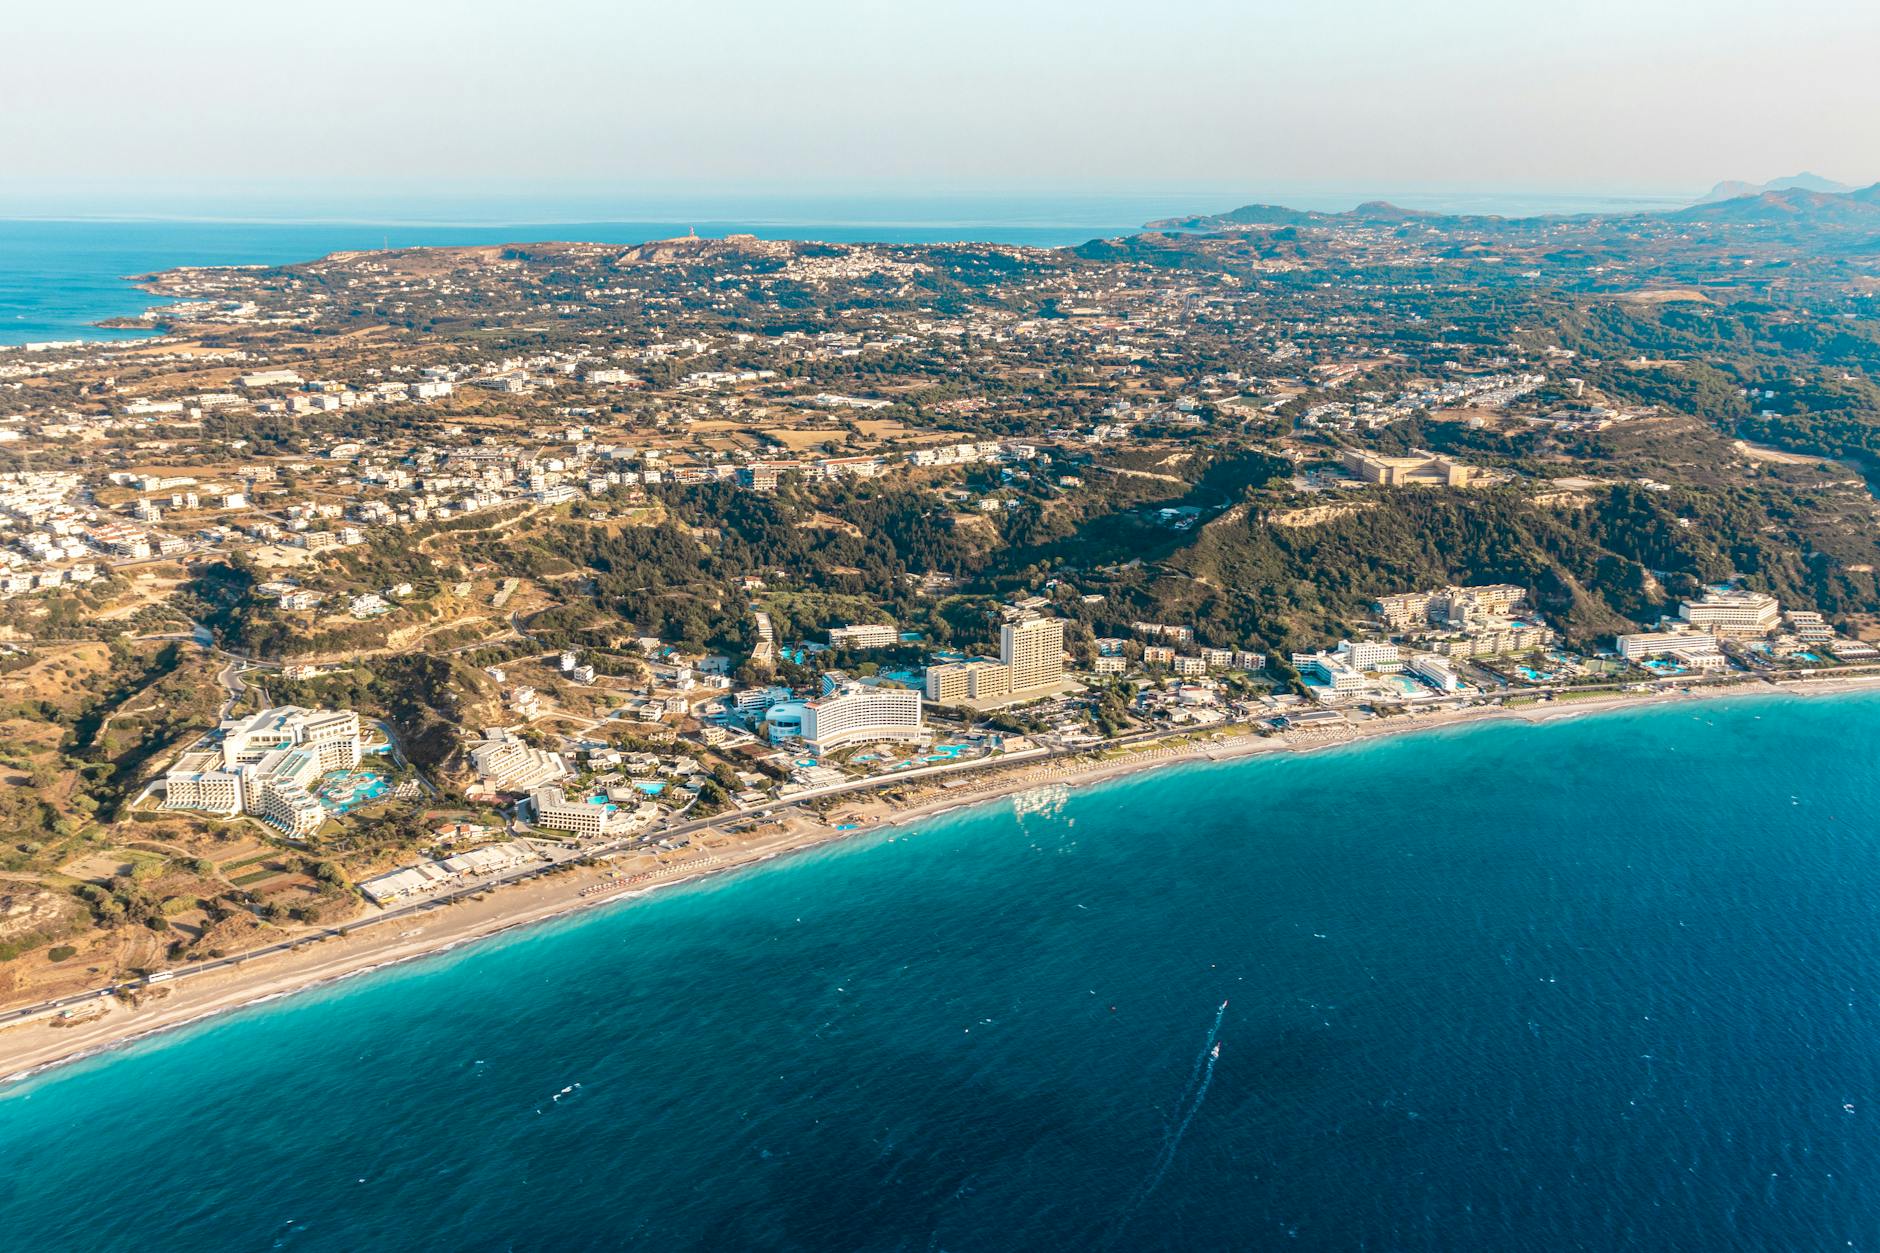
(339, 592)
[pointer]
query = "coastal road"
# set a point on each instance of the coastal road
(556, 861)
(418, 909)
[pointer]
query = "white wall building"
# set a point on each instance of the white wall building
(1732, 612)
(265, 765)
(854, 713)
(865, 635)
(1033, 650)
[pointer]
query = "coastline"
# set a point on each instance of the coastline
(34, 1045)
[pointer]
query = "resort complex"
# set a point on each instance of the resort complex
(265, 765)
(848, 712)
(1030, 664)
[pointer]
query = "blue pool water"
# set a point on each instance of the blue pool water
(345, 790)
(1577, 1004)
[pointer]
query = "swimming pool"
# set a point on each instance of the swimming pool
(346, 789)
(651, 787)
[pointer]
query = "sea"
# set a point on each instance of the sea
(59, 276)
(1601, 983)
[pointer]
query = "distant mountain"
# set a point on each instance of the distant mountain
(1370, 212)
(1246, 215)
(1793, 205)
(1736, 189)
(1804, 200)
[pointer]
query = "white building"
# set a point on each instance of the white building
(1435, 671)
(1033, 651)
(1732, 612)
(954, 682)
(1643, 644)
(265, 765)
(1333, 675)
(1371, 655)
(505, 763)
(854, 713)
(865, 635)
(583, 818)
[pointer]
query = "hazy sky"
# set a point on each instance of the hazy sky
(1660, 95)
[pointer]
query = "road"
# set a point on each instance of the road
(556, 860)
(562, 858)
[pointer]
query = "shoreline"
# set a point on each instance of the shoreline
(33, 1046)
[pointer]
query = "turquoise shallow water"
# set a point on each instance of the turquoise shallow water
(1610, 983)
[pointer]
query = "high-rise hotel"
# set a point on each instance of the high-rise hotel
(1031, 657)
(1033, 650)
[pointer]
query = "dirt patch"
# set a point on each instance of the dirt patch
(1774, 456)
(32, 909)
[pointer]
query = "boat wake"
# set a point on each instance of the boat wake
(1194, 1093)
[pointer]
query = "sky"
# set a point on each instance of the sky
(112, 101)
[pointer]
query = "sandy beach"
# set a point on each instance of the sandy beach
(33, 1044)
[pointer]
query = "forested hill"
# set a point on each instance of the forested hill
(1615, 563)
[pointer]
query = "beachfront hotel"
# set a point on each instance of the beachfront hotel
(855, 713)
(1031, 659)
(1329, 674)
(1732, 612)
(1358, 657)
(1694, 650)
(968, 681)
(266, 765)
(1033, 650)
(586, 819)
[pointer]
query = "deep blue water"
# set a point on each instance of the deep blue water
(1610, 983)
